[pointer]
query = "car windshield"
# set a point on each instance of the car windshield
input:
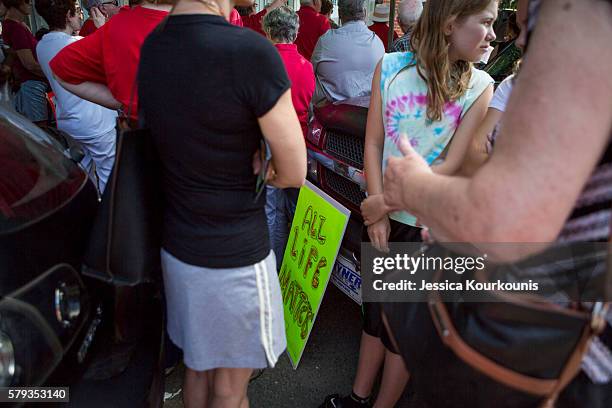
(36, 178)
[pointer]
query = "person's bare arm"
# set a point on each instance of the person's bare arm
(463, 135)
(29, 62)
(477, 153)
(557, 125)
(93, 92)
(374, 139)
(372, 208)
(282, 131)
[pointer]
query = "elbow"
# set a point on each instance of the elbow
(294, 180)
(294, 183)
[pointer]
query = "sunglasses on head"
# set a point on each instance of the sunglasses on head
(114, 3)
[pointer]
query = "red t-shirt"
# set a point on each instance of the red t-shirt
(19, 37)
(382, 31)
(88, 28)
(254, 21)
(302, 79)
(312, 26)
(110, 55)
(235, 18)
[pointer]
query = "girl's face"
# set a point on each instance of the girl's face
(470, 37)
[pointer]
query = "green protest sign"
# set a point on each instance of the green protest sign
(314, 241)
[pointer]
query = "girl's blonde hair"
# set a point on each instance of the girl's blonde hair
(445, 81)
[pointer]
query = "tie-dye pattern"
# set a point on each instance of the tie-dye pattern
(404, 107)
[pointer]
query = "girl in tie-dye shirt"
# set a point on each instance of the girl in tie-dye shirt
(404, 112)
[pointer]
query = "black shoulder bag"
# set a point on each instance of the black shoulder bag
(125, 242)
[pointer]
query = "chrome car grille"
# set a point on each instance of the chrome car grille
(344, 147)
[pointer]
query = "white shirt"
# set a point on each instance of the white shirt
(79, 118)
(502, 94)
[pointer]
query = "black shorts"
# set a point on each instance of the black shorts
(372, 317)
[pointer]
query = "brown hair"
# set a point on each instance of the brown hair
(12, 3)
(445, 81)
(54, 12)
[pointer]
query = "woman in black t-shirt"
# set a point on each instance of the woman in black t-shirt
(210, 92)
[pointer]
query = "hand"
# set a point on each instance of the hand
(373, 209)
(271, 176)
(257, 164)
(402, 175)
(379, 234)
(97, 17)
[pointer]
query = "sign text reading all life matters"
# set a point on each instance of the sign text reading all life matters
(316, 233)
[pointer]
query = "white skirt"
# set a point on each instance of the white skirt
(231, 318)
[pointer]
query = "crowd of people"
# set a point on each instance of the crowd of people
(526, 162)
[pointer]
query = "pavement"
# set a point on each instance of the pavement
(328, 364)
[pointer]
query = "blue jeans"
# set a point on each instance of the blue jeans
(280, 208)
(31, 100)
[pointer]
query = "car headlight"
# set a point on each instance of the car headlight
(7, 360)
(67, 304)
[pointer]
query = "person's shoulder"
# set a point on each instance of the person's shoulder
(247, 38)
(150, 40)
(128, 16)
(248, 45)
(480, 76)
(398, 60)
(14, 28)
(56, 38)
(394, 62)
(9, 25)
(329, 35)
(507, 82)
(505, 86)
(150, 43)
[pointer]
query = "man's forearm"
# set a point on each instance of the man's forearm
(93, 92)
(444, 206)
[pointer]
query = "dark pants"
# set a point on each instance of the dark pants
(372, 312)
